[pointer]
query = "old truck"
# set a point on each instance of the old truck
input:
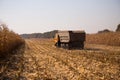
(70, 39)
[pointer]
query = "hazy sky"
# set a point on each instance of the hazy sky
(29, 16)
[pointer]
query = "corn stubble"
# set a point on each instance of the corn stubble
(41, 60)
(11, 54)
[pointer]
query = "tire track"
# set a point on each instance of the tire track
(64, 62)
(55, 54)
(49, 53)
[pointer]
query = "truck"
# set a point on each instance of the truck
(70, 39)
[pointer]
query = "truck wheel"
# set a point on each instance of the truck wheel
(69, 46)
(82, 45)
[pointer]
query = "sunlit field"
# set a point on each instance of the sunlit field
(60, 40)
(42, 60)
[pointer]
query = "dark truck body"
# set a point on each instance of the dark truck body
(70, 39)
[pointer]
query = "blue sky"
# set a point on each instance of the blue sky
(30, 16)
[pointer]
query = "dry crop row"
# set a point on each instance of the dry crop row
(110, 38)
(56, 63)
(9, 41)
(41, 60)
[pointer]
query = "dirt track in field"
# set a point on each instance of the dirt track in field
(43, 61)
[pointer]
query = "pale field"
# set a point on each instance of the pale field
(41, 60)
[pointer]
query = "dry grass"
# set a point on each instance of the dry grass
(9, 41)
(43, 61)
(110, 38)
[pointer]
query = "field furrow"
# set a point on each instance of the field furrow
(44, 61)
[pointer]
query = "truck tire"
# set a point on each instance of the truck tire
(82, 45)
(69, 46)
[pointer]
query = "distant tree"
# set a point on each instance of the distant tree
(49, 34)
(104, 31)
(118, 28)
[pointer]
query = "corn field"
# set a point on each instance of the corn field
(110, 38)
(9, 41)
(41, 60)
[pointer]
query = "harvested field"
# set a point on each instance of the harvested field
(43, 61)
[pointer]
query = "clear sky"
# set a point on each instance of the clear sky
(29, 16)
